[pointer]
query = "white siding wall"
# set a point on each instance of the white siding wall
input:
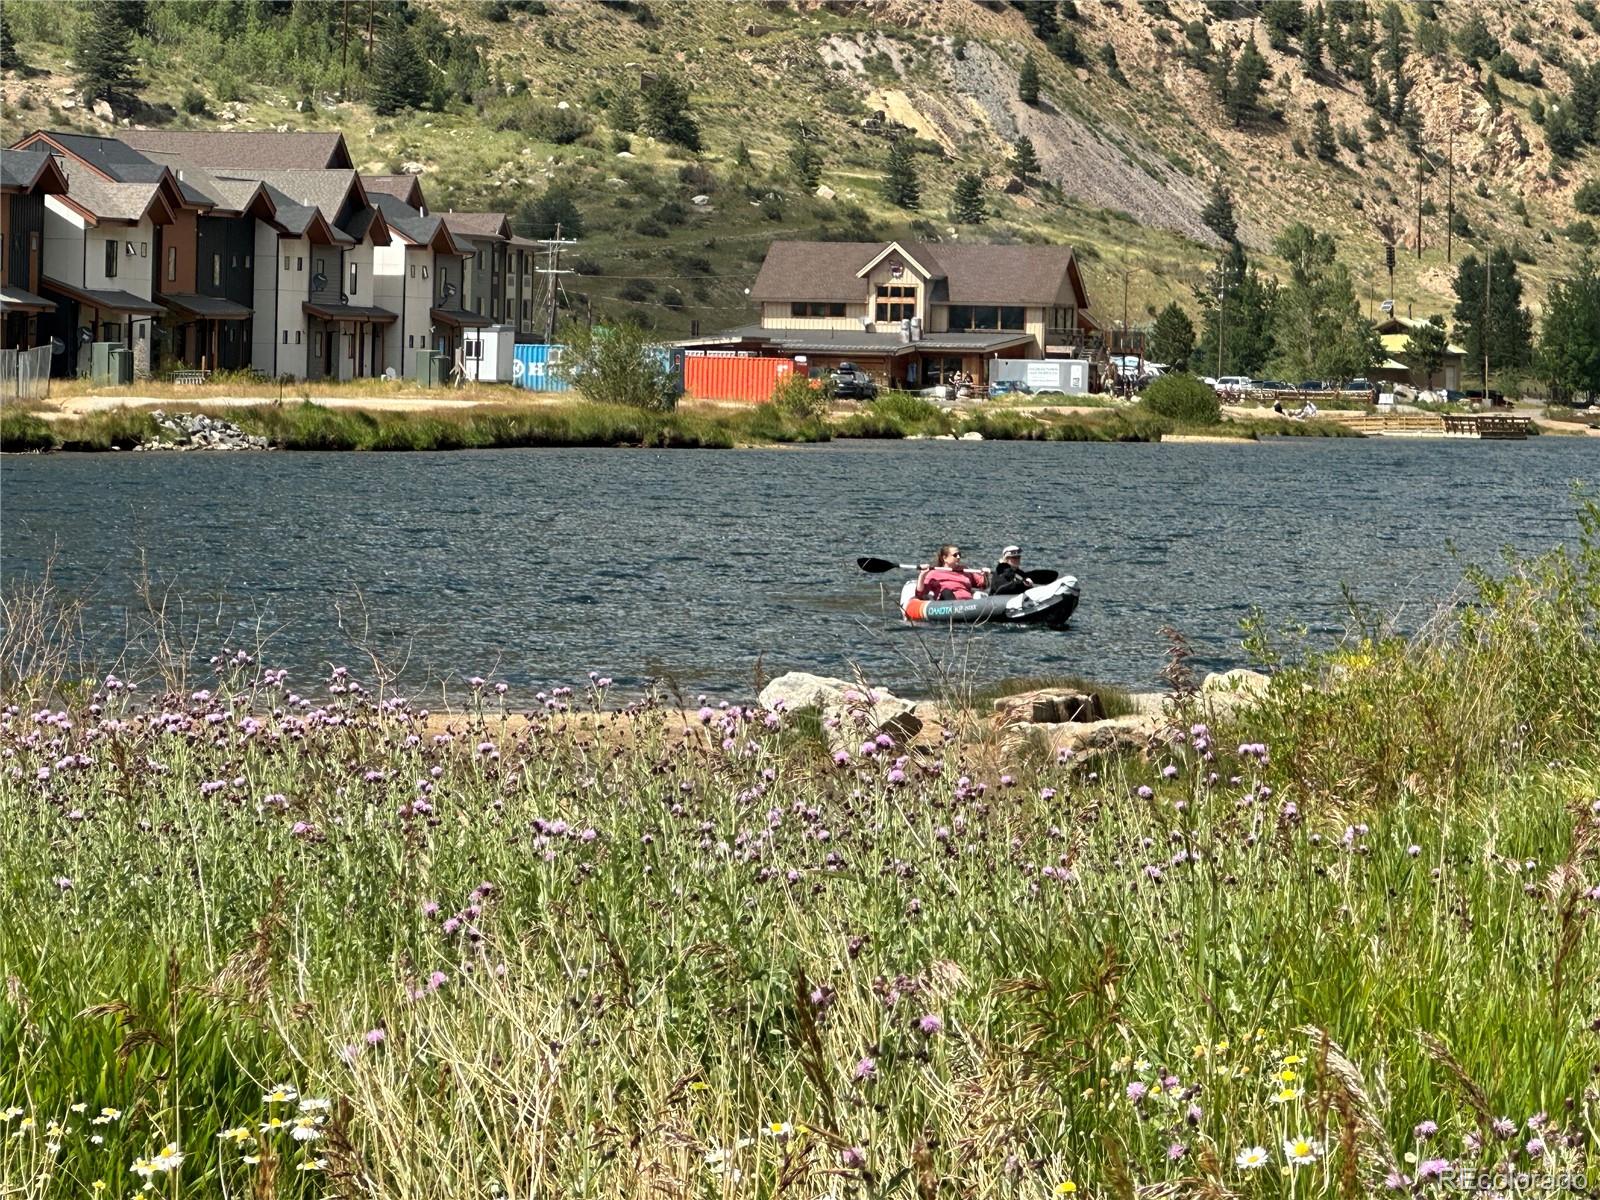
(63, 242)
(135, 270)
(390, 266)
(294, 288)
(264, 329)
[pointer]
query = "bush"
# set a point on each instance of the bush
(20, 431)
(903, 406)
(1183, 398)
(193, 102)
(801, 398)
(1587, 198)
(617, 364)
(543, 121)
(1581, 232)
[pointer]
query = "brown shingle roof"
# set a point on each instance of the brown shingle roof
(482, 225)
(268, 150)
(970, 274)
(107, 200)
(406, 188)
(322, 190)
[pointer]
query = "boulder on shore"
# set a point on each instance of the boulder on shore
(849, 709)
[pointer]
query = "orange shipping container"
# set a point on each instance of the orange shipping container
(750, 380)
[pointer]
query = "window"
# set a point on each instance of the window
(296, 337)
(144, 249)
(299, 263)
(494, 309)
(965, 317)
(350, 345)
(321, 265)
(413, 270)
(411, 341)
(172, 263)
(480, 260)
(111, 260)
(216, 270)
(285, 262)
(111, 331)
(285, 337)
(817, 308)
(354, 278)
(524, 312)
(896, 302)
(424, 270)
(233, 262)
(131, 250)
(1063, 319)
(247, 261)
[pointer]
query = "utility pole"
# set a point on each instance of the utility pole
(1488, 285)
(552, 272)
(1450, 200)
(1419, 208)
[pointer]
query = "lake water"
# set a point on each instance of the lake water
(538, 566)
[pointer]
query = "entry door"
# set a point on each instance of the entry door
(330, 340)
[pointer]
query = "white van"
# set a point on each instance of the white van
(1234, 383)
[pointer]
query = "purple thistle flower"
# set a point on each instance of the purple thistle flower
(930, 1024)
(375, 1037)
(867, 1068)
(1432, 1168)
(1176, 1151)
(1136, 1091)
(1424, 1130)
(1504, 1127)
(1535, 1147)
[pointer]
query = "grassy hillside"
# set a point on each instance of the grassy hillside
(1128, 154)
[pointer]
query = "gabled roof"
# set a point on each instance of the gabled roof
(495, 226)
(268, 150)
(420, 231)
(1397, 343)
(326, 191)
(959, 274)
(405, 188)
(31, 171)
(304, 220)
(100, 199)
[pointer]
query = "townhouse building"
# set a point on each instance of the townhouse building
(26, 178)
(420, 275)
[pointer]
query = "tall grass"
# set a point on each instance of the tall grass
(702, 955)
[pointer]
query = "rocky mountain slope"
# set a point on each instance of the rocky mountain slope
(1128, 153)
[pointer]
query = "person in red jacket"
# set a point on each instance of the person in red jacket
(947, 579)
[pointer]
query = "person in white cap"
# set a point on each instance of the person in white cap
(1007, 578)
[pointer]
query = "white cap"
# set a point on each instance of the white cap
(1010, 550)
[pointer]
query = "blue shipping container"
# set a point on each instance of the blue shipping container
(532, 367)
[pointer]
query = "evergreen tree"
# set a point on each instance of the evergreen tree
(900, 184)
(1217, 215)
(1198, 50)
(666, 110)
(1028, 82)
(1318, 329)
(555, 208)
(741, 154)
(1024, 161)
(9, 59)
(1064, 45)
(399, 78)
(806, 162)
(1172, 337)
(1587, 198)
(1323, 142)
(1108, 56)
(1489, 312)
(1431, 37)
(1244, 90)
(1475, 41)
(1561, 131)
(1284, 19)
(1425, 348)
(1236, 304)
(1041, 15)
(967, 208)
(104, 54)
(1394, 38)
(623, 112)
(1585, 101)
(1311, 40)
(1569, 337)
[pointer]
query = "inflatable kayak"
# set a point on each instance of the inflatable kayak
(1050, 604)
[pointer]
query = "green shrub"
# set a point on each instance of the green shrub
(799, 397)
(1181, 397)
(618, 364)
(1587, 198)
(903, 406)
(20, 431)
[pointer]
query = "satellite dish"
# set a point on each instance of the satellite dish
(85, 334)
(57, 346)
(344, 298)
(318, 282)
(1387, 306)
(448, 290)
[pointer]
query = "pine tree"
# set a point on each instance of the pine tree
(1028, 82)
(1425, 348)
(1236, 307)
(1561, 131)
(1283, 19)
(1323, 142)
(1497, 323)
(623, 113)
(1024, 160)
(666, 110)
(1311, 40)
(1218, 216)
(1394, 38)
(1244, 89)
(900, 184)
(9, 59)
(741, 154)
(399, 77)
(104, 54)
(967, 208)
(806, 161)
(1108, 56)
(1172, 337)
(1569, 337)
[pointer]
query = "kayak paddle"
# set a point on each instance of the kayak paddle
(877, 566)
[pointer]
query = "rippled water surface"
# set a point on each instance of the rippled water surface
(541, 565)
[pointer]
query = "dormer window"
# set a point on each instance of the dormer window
(896, 302)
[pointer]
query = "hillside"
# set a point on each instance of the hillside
(1128, 154)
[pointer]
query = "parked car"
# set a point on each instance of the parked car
(1233, 384)
(1496, 398)
(850, 382)
(1270, 385)
(1009, 387)
(1312, 385)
